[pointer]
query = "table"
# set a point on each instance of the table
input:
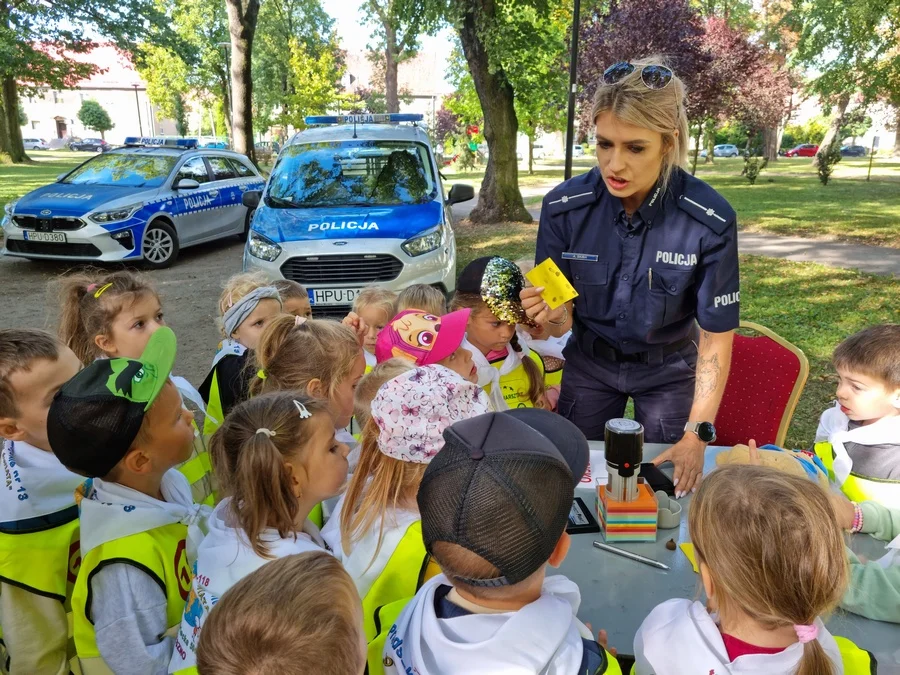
(618, 593)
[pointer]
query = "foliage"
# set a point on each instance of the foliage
(93, 116)
(827, 158)
(810, 131)
(314, 81)
(446, 124)
(23, 116)
(855, 123)
(166, 75)
(752, 167)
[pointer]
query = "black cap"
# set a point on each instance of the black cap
(568, 439)
(501, 489)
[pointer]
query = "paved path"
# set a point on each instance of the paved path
(872, 259)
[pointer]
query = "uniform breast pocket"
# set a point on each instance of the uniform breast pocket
(665, 297)
(591, 280)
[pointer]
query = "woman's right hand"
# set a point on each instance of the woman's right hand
(538, 310)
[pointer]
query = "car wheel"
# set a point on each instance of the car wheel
(247, 220)
(160, 245)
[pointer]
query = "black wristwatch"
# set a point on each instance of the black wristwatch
(705, 431)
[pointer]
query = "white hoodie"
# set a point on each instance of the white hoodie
(543, 637)
(224, 558)
(834, 427)
(679, 636)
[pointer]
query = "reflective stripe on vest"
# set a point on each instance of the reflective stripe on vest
(856, 661)
(213, 407)
(198, 471)
(159, 553)
(859, 488)
(515, 384)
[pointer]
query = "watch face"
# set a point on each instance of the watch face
(706, 431)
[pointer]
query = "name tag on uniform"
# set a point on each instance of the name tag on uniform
(584, 257)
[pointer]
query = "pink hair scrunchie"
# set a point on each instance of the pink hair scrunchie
(806, 633)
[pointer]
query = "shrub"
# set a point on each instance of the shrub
(752, 167)
(826, 160)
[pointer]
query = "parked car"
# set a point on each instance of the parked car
(804, 150)
(577, 151)
(726, 150)
(538, 151)
(853, 151)
(215, 145)
(145, 201)
(89, 145)
(35, 144)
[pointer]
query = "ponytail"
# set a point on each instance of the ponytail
(71, 327)
(536, 386)
(815, 661)
(249, 454)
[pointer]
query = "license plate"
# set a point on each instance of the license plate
(52, 237)
(319, 297)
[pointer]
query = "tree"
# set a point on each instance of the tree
(315, 82)
(93, 116)
(446, 124)
(166, 75)
(855, 123)
(242, 17)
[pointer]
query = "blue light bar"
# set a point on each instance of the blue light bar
(160, 142)
(392, 118)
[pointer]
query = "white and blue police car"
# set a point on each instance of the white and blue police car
(355, 201)
(142, 202)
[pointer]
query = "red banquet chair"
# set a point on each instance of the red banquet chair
(767, 376)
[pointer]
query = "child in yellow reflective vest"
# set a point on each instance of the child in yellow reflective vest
(39, 551)
(121, 423)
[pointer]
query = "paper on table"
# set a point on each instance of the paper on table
(596, 470)
(557, 289)
(688, 550)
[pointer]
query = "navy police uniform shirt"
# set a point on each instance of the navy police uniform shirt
(643, 281)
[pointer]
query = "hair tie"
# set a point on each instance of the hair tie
(261, 374)
(806, 633)
(301, 409)
(91, 287)
(101, 290)
(265, 431)
(299, 321)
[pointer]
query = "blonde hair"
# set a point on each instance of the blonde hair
(660, 110)
(379, 482)
(300, 609)
(91, 301)
(370, 384)
(250, 466)
(290, 356)
(773, 549)
(235, 288)
(422, 296)
(536, 387)
(288, 289)
(373, 296)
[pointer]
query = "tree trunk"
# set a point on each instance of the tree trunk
(242, 15)
(897, 132)
(499, 199)
(13, 146)
(390, 68)
(530, 155)
(696, 148)
(226, 105)
(835, 127)
(710, 141)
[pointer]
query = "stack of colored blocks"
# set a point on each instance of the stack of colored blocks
(628, 521)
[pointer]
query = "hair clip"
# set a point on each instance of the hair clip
(304, 413)
(92, 287)
(230, 298)
(261, 374)
(101, 290)
(265, 431)
(299, 321)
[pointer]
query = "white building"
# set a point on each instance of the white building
(53, 114)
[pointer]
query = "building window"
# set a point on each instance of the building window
(34, 125)
(57, 97)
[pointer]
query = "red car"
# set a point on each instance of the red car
(805, 150)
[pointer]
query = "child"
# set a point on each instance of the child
(113, 316)
(858, 439)
(422, 296)
(380, 524)
(370, 384)
(121, 423)
(247, 305)
(39, 535)
(294, 298)
(426, 339)
(297, 615)
(277, 458)
(771, 560)
(375, 306)
(511, 374)
(495, 502)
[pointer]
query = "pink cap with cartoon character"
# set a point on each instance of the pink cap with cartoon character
(420, 337)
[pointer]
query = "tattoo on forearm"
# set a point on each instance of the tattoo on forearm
(708, 370)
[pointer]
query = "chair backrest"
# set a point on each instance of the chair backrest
(767, 376)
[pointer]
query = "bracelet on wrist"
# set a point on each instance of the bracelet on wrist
(857, 518)
(564, 319)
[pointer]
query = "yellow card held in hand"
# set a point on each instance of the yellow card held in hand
(557, 289)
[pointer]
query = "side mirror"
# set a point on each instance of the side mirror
(251, 198)
(186, 184)
(460, 193)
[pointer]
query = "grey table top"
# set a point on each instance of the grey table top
(617, 593)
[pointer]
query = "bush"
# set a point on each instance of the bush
(826, 160)
(752, 167)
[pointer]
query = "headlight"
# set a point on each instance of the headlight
(115, 215)
(8, 208)
(262, 247)
(423, 243)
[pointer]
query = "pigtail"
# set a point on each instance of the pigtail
(536, 386)
(72, 333)
(815, 661)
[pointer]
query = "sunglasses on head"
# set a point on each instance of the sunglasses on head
(653, 77)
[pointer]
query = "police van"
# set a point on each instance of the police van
(354, 201)
(143, 202)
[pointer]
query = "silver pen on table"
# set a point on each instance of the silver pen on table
(628, 554)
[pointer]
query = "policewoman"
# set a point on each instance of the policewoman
(652, 252)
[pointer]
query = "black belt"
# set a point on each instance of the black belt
(593, 345)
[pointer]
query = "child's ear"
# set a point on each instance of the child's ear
(315, 389)
(137, 461)
(560, 551)
(9, 429)
(296, 487)
(106, 345)
(895, 399)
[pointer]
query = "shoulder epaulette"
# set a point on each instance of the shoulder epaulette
(705, 205)
(575, 193)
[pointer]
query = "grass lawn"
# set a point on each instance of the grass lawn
(17, 179)
(813, 306)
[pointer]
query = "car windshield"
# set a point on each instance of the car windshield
(352, 173)
(123, 170)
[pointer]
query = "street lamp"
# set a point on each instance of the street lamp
(229, 89)
(138, 104)
(573, 67)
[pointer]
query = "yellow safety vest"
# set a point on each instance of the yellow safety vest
(42, 555)
(198, 471)
(515, 384)
(159, 552)
(214, 412)
(861, 488)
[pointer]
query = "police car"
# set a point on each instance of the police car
(353, 201)
(144, 201)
